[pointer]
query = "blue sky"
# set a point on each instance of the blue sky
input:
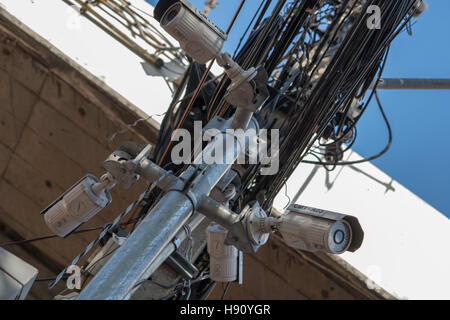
(420, 154)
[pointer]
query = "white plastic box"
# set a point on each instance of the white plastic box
(16, 276)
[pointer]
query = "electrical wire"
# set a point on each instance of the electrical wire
(52, 236)
(106, 255)
(47, 279)
(376, 156)
(225, 290)
(134, 124)
(83, 271)
(248, 27)
(175, 287)
(208, 291)
(191, 102)
(360, 52)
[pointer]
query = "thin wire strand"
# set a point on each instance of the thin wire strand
(225, 291)
(378, 155)
(51, 236)
(134, 124)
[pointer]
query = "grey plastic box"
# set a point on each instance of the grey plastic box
(16, 276)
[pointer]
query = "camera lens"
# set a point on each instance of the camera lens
(171, 14)
(338, 236)
(162, 7)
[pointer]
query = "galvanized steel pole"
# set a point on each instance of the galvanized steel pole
(413, 84)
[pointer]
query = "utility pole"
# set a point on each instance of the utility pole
(413, 84)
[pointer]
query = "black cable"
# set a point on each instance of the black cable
(206, 294)
(83, 271)
(56, 236)
(100, 259)
(352, 66)
(156, 283)
(248, 28)
(320, 162)
(48, 279)
(187, 294)
(175, 287)
(225, 291)
(383, 65)
(376, 156)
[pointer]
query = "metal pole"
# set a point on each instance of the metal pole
(169, 249)
(152, 172)
(217, 212)
(132, 260)
(413, 84)
(119, 276)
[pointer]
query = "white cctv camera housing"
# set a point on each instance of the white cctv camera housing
(198, 36)
(312, 229)
(223, 258)
(77, 205)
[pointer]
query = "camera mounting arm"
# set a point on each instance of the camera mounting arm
(247, 92)
(130, 160)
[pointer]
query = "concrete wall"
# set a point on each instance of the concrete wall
(55, 121)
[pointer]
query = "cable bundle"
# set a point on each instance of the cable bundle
(331, 61)
(322, 58)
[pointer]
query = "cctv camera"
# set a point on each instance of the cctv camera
(312, 229)
(197, 35)
(78, 204)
